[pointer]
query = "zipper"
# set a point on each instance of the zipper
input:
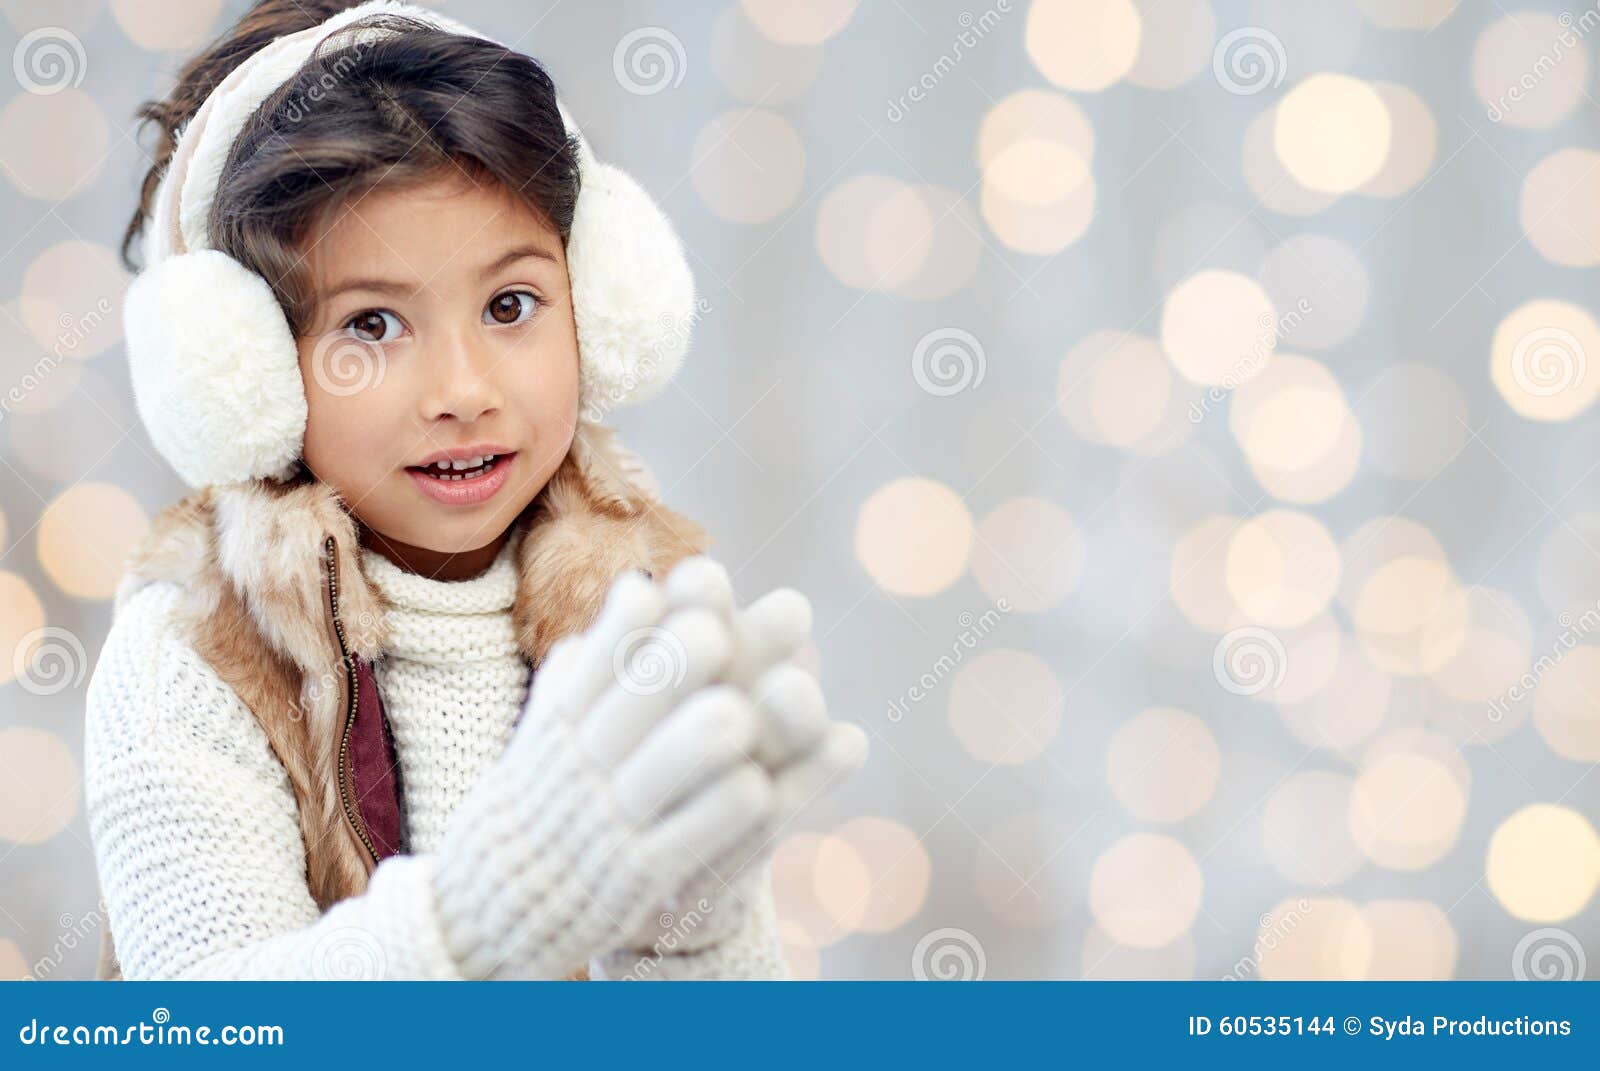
(353, 692)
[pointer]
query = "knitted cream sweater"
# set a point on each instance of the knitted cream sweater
(194, 820)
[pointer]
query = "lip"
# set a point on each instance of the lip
(468, 492)
(461, 453)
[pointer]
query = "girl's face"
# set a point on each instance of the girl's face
(443, 328)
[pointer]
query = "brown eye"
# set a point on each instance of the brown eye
(373, 326)
(510, 307)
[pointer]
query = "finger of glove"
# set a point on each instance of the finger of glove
(700, 581)
(656, 669)
(553, 692)
(734, 863)
(841, 752)
(633, 605)
(792, 791)
(769, 630)
(711, 731)
(709, 822)
(794, 714)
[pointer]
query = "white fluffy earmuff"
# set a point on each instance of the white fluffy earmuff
(215, 368)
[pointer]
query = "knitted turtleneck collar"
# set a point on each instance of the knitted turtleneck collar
(491, 591)
(447, 622)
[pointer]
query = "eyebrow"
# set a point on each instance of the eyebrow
(521, 252)
(391, 286)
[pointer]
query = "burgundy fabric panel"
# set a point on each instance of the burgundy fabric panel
(374, 770)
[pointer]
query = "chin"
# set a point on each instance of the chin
(459, 534)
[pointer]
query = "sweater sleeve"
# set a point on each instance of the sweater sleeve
(751, 951)
(197, 836)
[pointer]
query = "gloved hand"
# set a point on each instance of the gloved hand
(803, 752)
(608, 797)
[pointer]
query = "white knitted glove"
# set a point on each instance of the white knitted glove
(803, 751)
(611, 791)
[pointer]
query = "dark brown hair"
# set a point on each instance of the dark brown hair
(390, 112)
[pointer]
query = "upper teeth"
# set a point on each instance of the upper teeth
(463, 463)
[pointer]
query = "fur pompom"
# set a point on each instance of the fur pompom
(632, 292)
(216, 375)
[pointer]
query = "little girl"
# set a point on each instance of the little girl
(423, 681)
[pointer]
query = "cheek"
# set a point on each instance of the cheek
(561, 395)
(568, 370)
(348, 425)
(543, 381)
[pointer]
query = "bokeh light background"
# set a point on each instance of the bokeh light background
(1180, 413)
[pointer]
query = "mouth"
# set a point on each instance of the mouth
(465, 481)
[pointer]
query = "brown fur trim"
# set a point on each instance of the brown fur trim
(249, 558)
(588, 526)
(269, 541)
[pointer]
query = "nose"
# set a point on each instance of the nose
(462, 384)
